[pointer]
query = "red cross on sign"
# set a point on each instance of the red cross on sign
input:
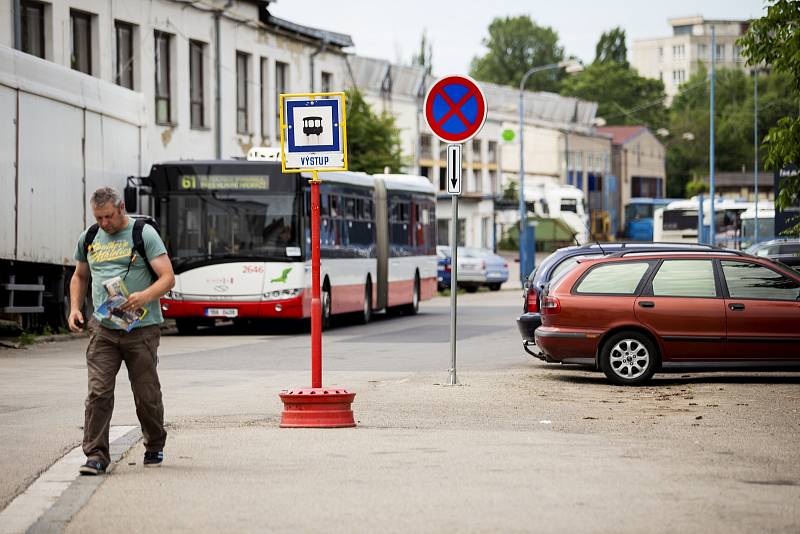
(455, 108)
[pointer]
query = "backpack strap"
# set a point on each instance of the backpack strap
(138, 245)
(88, 239)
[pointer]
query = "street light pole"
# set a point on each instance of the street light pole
(571, 66)
(712, 231)
(755, 146)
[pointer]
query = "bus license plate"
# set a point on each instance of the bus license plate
(222, 312)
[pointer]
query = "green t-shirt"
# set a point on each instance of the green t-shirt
(110, 256)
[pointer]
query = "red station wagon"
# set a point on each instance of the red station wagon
(634, 313)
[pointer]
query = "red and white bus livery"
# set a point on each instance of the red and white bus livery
(238, 233)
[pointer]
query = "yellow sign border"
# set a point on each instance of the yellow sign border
(283, 128)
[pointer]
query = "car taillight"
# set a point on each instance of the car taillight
(551, 305)
(532, 301)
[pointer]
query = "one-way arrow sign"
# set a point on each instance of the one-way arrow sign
(454, 169)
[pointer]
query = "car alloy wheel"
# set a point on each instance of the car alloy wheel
(629, 358)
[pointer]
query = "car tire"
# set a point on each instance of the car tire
(471, 289)
(629, 358)
(494, 287)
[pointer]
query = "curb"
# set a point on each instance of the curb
(75, 497)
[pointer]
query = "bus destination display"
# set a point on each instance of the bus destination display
(224, 181)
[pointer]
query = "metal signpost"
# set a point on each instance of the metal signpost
(455, 110)
(314, 138)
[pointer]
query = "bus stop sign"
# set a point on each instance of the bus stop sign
(455, 108)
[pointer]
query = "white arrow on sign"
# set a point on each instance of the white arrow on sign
(454, 169)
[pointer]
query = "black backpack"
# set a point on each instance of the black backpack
(138, 240)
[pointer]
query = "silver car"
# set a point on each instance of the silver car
(479, 267)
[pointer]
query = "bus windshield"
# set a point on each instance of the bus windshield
(635, 212)
(247, 224)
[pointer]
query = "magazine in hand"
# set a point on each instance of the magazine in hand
(111, 308)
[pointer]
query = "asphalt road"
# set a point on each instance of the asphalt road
(520, 446)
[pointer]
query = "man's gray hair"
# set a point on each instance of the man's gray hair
(104, 195)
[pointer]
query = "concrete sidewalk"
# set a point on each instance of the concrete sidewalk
(533, 449)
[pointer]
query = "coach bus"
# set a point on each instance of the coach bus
(678, 221)
(239, 237)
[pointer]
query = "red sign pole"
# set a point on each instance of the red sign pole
(316, 407)
(316, 302)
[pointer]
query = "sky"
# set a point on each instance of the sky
(391, 29)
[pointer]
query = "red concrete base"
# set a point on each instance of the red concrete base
(317, 408)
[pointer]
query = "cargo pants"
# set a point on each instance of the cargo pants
(106, 351)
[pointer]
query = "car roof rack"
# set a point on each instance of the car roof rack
(678, 250)
(647, 245)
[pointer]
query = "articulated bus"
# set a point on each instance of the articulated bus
(238, 234)
(677, 221)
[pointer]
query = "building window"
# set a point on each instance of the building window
(476, 150)
(478, 173)
(32, 15)
(678, 76)
(493, 182)
(442, 151)
(163, 90)
(264, 97)
(281, 86)
(661, 75)
(81, 41)
(661, 53)
(425, 150)
(327, 82)
(196, 80)
(678, 51)
(721, 52)
(442, 178)
(702, 51)
(124, 74)
(426, 172)
(241, 92)
(492, 151)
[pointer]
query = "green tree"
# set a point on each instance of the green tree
(611, 47)
(424, 57)
(774, 40)
(623, 97)
(373, 140)
(734, 108)
(515, 45)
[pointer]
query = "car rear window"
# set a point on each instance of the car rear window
(568, 264)
(685, 278)
(613, 278)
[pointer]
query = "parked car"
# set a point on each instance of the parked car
(443, 268)
(558, 263)
(477, 267)
(634, 313)
(785, 250)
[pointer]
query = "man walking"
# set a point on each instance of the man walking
(116, 246)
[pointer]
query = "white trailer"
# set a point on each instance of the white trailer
(64, 135)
